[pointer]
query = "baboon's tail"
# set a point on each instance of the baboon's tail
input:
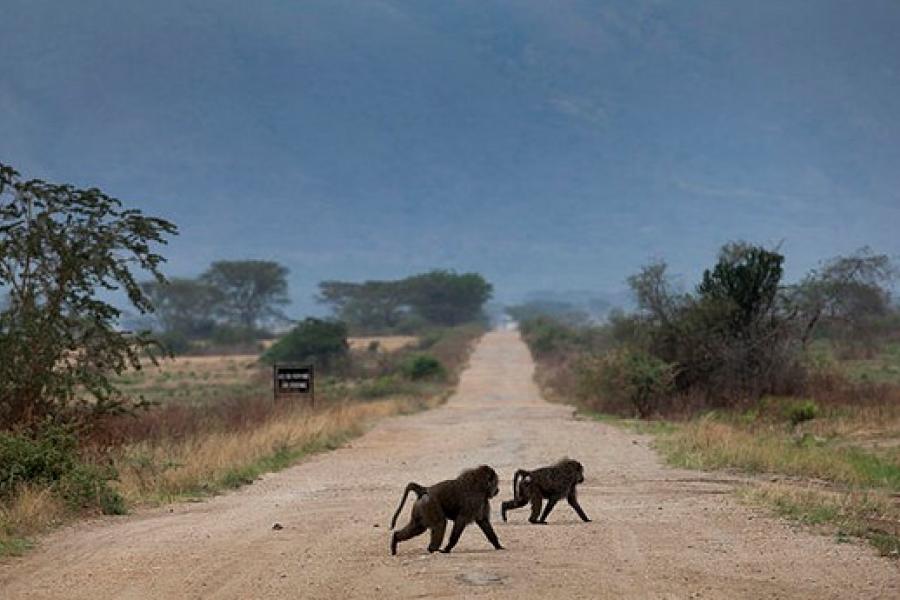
(520, 474)
(411, 487)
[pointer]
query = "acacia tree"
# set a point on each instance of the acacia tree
(249, 291)
(369, 306)
(183, 305)
(63, 250)
(446, 297)
(845, 295)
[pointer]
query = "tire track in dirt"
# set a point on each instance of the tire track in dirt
(657, 532)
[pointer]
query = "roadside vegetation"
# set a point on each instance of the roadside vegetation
(796, 385)
(98, 419)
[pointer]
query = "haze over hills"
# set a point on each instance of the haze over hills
(547, 146)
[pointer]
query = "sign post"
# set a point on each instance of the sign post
(294, 379)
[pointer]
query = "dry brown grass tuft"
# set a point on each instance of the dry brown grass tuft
(30, 510)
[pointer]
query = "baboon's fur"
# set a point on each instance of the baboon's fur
(461, 500)
(552, 483)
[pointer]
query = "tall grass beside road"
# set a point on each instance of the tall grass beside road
(202, 445)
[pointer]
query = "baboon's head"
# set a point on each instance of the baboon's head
(574, 467)
(483, 478)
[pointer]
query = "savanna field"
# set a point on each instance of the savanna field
(214, 425)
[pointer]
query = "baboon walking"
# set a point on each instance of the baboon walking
(553, 483)
(461, 500)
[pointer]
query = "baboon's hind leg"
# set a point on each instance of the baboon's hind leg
(410, 531)
(512, 504)
(437, 536)
(535, 509)
(550, 504)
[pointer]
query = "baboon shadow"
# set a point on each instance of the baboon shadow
(559, 523)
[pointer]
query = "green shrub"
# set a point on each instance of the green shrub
(546, 336)
(627, 376)
(429, 339)
(175, 342)
(799, 412)
(226, 335)
(313, 340)
(387, 385)
(50, 458)
(422, 366)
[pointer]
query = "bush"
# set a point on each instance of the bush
(630, 377)
(387, 385)
(175, 342)
(50, 458)
(422, 366)
(429, 339)
(314, 340)
(799, 412)
(226, 335)
(546, 336)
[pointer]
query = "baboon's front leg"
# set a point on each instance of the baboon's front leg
(485, 526)
(573, 501)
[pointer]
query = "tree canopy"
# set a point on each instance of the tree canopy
(61, 249)
(250, 291)
(437, 297)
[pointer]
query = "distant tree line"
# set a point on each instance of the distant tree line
(231, 302)
(564, 312)
(436, 298)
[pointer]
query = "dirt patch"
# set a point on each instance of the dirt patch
(657, 532)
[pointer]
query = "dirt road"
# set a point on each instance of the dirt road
(656, 532)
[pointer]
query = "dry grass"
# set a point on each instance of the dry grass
(196, 379)
(32, 509)
(161, 470)
(386, 343)
(217, 427)
(870, 514)
(710, 444)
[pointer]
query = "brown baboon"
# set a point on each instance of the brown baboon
(461, 500)
(553, 483)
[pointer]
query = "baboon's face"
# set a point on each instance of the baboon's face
(579, 471)
(495, 489)
(493, 482)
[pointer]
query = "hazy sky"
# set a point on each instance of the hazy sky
(548, 145)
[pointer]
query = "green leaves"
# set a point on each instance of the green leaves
(60, 248)
(313, 340)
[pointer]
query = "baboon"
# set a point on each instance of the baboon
(553, 483)
(461, 500)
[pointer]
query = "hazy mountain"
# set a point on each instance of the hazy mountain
(548, 145)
